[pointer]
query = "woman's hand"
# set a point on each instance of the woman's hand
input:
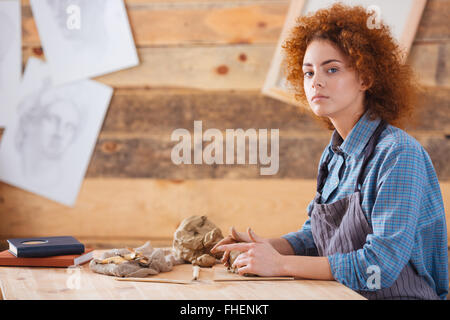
(236, 237)
(257, 257)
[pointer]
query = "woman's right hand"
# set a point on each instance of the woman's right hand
(235, 237)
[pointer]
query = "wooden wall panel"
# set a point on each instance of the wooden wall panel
(135, 139)
(151, 158)
(135, 210)
(298, 159)
(434, 23)
(157, 112)
(429, 61)
(236, 67)
(152, 209)
(229, 67)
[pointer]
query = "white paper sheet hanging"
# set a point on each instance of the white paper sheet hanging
(84, 38)
(47, 147)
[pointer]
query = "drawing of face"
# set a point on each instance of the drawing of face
(58, 128)
(89, 13)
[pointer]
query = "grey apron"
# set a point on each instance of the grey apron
(342, 227)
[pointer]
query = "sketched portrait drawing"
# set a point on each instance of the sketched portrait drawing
(49, 123)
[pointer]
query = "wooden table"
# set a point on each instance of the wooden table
(81, 283)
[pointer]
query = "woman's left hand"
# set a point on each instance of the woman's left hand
(258, 258)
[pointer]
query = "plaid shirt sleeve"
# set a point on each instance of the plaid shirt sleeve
(394, 218)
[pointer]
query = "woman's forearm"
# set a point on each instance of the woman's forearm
(275, 257)
(282, 246)
(306, 267)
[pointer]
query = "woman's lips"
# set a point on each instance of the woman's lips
(319, 98)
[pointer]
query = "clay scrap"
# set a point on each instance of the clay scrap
(231, 258)
(139, 262)
(193, 240)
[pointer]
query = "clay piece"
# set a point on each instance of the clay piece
(231, 258)
(139, 262)
(194, 239)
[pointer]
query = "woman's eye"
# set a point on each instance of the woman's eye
(332, 70)
(308, 74)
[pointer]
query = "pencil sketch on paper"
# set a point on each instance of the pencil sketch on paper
(84, 38)
(48, 146)
(49, 123)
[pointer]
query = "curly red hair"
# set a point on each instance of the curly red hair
(373, 54)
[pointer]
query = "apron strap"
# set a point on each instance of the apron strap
(323, 173)
(368, 152)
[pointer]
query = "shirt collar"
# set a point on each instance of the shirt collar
(358, 137)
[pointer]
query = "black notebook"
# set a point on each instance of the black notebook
(44, 246)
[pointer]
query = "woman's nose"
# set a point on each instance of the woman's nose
(317, 82)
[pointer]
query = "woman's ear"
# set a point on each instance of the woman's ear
(365, 82)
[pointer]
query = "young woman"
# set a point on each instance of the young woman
(377, 223)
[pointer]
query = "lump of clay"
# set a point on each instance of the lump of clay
(139, 262)
(194, 239)
(231, 258)
(205, 260)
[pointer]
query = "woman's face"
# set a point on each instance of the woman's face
(332, 88)
(58, 129)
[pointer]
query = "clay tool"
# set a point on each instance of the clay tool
(159, 280)
(195, 272)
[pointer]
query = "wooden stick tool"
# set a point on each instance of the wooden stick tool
(160, 280)
(195, 272)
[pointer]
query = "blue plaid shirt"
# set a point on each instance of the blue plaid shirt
(402, 201)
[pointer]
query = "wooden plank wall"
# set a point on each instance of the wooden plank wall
(207, 60)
